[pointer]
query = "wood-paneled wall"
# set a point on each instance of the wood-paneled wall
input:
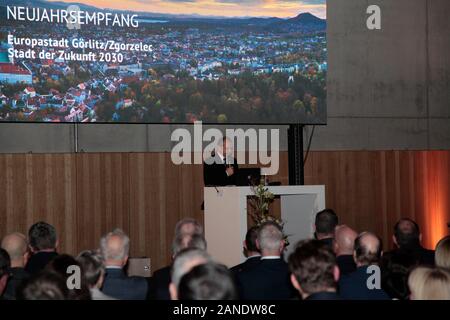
(86, 195)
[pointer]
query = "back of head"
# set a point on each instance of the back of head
(250, 239)
(429, 284)
(208, 281)
(115, 247)
(188, 226)
(344, 240)
(407, 233)
(42, 236)
(442, 254)
(16, 245)
(184, 241)
(43, 286)
(62, 265)
(326, 222)
(368, 249)
(92, 264)
(185, 261)
(270, 238)
(313, 264)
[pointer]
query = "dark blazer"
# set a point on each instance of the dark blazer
(214, 174)
(353, 286)
(16, 277)
(159, 287)
(269, 280)
(323, 296)
(118, 285)
(38, 261)
(346, 264)
(247, 264)
(328, 242)
(420, 254)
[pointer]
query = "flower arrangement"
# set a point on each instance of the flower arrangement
(260, 203)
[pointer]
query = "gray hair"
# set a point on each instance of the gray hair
(117, 254)
(270, 236)
(93, 266)
(198, 229)
(183, 263)
(183, 241)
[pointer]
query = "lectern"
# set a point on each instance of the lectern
(226, 217)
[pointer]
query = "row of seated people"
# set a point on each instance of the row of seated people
(339, 263)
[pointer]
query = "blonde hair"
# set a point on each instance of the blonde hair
(429, 284)
(442, 255)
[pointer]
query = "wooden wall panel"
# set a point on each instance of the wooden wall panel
(39, 187)
(86, 195)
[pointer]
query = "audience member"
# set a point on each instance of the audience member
(407, 238)
(186, 236)
(114, 249)
(93, 268)
(269, 279)
(314, 270)
(395, 269)
(16, 246)
(60, 265)
(251, 251)
(427, 283)
(326, 222)
(183, 263)
(354, 286)
(44, 285)
(442, 255)
(188, 226)
(5, 264)
(343, 246)
(43, 243)
(208, 281)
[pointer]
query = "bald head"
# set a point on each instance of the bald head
(367, 249)
(17, 247)
(344, 243)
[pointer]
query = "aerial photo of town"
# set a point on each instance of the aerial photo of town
(251, 67)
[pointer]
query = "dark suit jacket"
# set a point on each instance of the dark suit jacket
(118, 285)
(328, 242)
(346, 264)
(159, 287)
(16, 277)
(269, 280)
(38, 261)
(215, 175)
(323, 296)
(353, 286)
(421, 255)
(247, 264)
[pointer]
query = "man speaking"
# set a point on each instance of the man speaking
(221, 168)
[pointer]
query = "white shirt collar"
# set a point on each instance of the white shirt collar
(270, 257)
(113, 267)
(254, 256)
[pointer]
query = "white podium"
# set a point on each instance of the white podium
(226, 217)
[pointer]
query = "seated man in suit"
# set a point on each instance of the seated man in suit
(17, 247)
(269, 279)
(354, 286)
(160, 281)
(343, 246)
(325, 223)
(114, 248)
(221, 168)
(251, 251)
(43, 243)
(407, 238)
(314, 270)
